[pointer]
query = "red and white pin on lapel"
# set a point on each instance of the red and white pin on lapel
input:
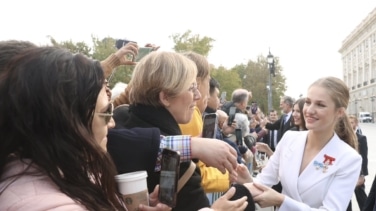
(328, 161)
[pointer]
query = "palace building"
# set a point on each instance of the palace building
(359, 66)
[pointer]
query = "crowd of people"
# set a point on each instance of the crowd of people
(65, 136)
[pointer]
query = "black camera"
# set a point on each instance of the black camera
(254, 108)
(121, 42)
(239, 138)
(250, 141)
(231, 115)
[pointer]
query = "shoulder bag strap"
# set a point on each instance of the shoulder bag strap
(187, 174)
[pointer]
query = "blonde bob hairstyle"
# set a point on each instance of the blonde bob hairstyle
(203, 66)
(169, 72)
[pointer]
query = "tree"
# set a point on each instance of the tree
(100, 50)
(103, 48)
(228, 80)
(256, 77)
(192, 42)
(252, 76)
(79, 47)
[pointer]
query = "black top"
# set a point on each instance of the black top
(363, 151)
(135, 149)
(370, 204)
(192, 195)
(281, 126)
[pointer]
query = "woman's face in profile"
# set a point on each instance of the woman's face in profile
(296, 115)
(182, 106)
(204, 91)
(99, 126)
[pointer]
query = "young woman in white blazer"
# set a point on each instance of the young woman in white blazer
(318, 168)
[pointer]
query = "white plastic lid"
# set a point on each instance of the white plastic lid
(132, 176)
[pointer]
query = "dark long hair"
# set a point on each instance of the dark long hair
(47, 102)
(10, 48)
(300, 102)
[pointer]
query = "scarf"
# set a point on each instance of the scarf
(158, 117)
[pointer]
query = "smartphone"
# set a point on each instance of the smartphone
(231, 115)
(119, 43)
(239, 137)
(168, 181)
(254, 108)
(223, 97)
(142, 52)
(210, 125)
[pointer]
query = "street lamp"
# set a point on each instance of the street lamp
(271, 68)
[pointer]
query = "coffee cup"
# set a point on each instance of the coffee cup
(133, 187)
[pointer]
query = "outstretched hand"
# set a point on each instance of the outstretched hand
(224, 203)
(128, 50)
(241, 175)
(214, 153)
(262, 147)
(152, 46)
(268, 197)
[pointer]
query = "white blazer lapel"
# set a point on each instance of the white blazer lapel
(321, 167)
(291, 162)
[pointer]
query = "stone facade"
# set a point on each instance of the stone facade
(359, 65)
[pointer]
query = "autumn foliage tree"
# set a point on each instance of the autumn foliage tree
(100, 49)
(192, 42)
(252, 76)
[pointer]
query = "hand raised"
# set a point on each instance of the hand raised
(215, 153)
(262, 147)
(242, 175)
(153, 46)
(130, 49)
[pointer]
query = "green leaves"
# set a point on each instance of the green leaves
(192, 42)
(99, 50)
(253, 75)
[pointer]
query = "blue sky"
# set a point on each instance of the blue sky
(305, 35)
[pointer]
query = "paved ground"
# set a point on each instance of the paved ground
(369, 130)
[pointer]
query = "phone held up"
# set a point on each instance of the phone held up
(231, 115)
(210, 125)
(223, 97)
(168, 181)
(142, 52)
(121, 42)
(254, 107)
(239, 137)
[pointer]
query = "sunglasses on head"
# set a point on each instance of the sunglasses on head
(107, 115)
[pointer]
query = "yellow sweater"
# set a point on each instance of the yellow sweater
(212, 179)
(194, 127)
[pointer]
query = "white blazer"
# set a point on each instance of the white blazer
(320, 186)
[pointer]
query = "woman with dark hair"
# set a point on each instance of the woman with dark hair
(299, 125)
(55, 114)
(9, 48)
(297, 114)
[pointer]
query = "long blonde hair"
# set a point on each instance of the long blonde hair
(339, 93)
